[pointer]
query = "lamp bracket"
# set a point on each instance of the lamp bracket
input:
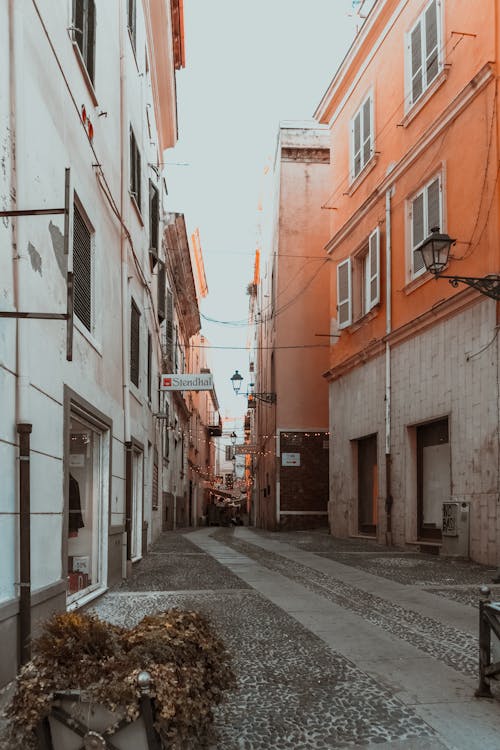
(488, 285)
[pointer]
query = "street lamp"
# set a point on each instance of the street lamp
(435, 251)
(233, 437)
(267, 398)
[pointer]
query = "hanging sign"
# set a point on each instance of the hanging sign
(187, 382)
(290, 459)
(245, 449)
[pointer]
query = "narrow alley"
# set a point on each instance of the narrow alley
(336, 643)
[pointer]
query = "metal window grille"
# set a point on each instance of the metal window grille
(82, 269)
(84, 33)
(135, 170)
(135, 317)
(161, 291)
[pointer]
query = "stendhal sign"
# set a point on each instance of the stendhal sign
(188, 382)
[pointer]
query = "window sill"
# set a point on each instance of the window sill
(85, 73)
(415, 108)
(136, 393)
(370, 164)
(87, 335)
(137, 209)
(417, 282)
(360, 322)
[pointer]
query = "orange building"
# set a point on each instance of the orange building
(414, 373)
(290, 422)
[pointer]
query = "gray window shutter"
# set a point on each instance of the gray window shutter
(161, 291)
(416, 62)
(433, 206)
(344, 297)
(154, 223)
(82, 269)
(373, 280)
(135, 317)
(417, 231)
(431, 43)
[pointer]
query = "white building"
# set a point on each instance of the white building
(86, 86)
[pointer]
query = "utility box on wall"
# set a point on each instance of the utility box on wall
(456, 515)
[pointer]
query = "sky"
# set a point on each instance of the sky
(250, 64)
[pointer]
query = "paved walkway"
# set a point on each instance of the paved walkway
(336, 643)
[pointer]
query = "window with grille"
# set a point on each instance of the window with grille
(135, 319)
(426, 212)
(135, 170)
(154, 224)
(423, 55)
(82, 269)
(84, 33)
(362, 137)
(132, 22)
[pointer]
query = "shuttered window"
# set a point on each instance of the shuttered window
(150, 357)
(372, 273)
(344, 297)
(169, 330)
(154, 223)
(154, 498)
(135, 170)
(362, 137)
(82, 269)
(132, 22)
(135, 319)
(161, 292)
(423, 52)
(425, 214)
(84, 32)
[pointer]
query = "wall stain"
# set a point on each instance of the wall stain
(57, 238)
(35, 258)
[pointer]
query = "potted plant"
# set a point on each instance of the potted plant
(91, 684)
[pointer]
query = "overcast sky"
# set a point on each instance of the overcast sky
(249, 65)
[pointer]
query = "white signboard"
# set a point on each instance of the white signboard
(290, 459)
(188, 382)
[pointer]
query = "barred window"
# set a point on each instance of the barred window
(135, 317)
(84, 32)
(82, 269)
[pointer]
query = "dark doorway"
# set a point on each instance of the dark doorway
(433, 477)
(367, 485)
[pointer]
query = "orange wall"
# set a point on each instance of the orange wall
(466, 149)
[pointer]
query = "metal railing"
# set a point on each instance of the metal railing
(489, 623)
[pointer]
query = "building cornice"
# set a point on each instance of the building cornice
(433, 132)
(438, 313)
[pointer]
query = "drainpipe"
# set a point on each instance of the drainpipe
(124, 292)
(23, 425)
(388, 328)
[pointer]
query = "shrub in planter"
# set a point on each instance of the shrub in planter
(188, 664)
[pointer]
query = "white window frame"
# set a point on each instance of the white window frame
(363, 141)
(348, 299)
(423, 190)
(410, 101)
(372, 259)
(364, 265)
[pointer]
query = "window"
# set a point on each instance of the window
(154, 498)
(169, 331)
(132, 22)
(82, 269)
(358, 282)
(161, 292)
(362, 137)
(135, 317)
(135, 170)
(154, 222)
(150, 353)
(84, 32)
(425, 214)
(423, 53)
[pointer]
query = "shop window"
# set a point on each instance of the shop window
(426, 212)
(84, 33)
(423, 57)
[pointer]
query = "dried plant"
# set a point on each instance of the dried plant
(188, 663)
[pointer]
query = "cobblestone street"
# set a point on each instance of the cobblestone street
(336, 643)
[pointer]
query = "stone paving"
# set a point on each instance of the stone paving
(294, 692)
